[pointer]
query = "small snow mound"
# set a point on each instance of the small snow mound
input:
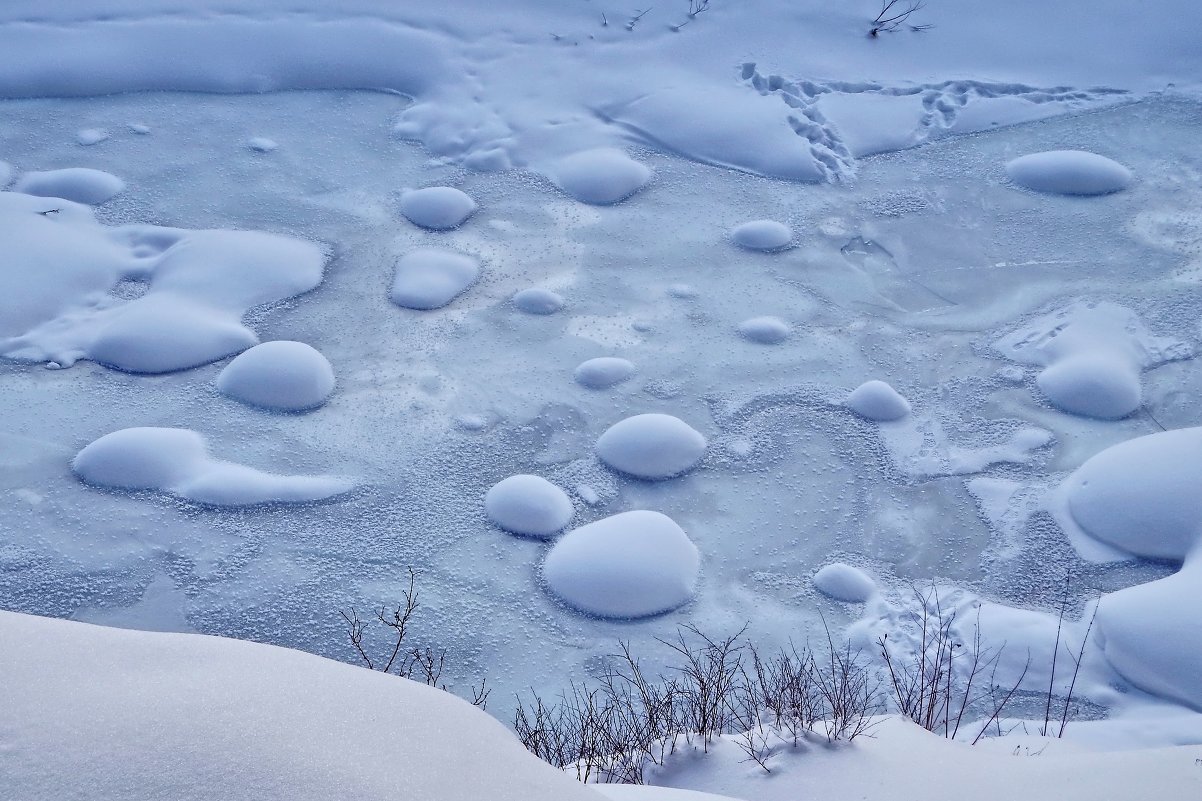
(78, 184)
(651, 446)
(767, 235)
(604, 371)
(630, 565)
(878, 401)
(437, 207)
(602, 177)
(845, 583)
(765, 330)
(430, 278)
(538, 301)
(140, 128)
(290, 376)
(91, 136)
(1094, 385)
(1069, 172)
(261, 144)
(528, 505)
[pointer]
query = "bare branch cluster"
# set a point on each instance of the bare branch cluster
(893, 16)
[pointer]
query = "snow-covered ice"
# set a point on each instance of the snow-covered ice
(1069, 172)
(438, 208)
(289, 376)
(529, 505)
(603, 372)
(430, 278)
(762, 235)
(651, 446)
(878, 401)
(80, 184)
(602, 177)
(766, 330)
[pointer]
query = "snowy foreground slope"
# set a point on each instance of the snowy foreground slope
(93, 712)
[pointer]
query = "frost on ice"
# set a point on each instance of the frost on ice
(844, 582)
(290, 376)
(529, 505)
(632, 564)
(651, 446)
(1069, 172)
(430, 278)
(767, 235)
(438, 208)
(80, 184)
(177, 461)
(877, 401)
(764, 330)
(602, 177)
(603, 371)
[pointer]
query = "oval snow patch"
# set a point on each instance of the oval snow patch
(290, 376)
(844, 582)
(765, 235)
(877, 401)
(764, 330)
(602, 372)
(528, 505)
(80, 184)
(1100, 385)
(538, 301)
(601, 177)
(437, 207)
(651, 446)
(1069, 172)
(430, 278)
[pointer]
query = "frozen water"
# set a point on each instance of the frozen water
(844, 582)
(537, 300)
(764, 330)
(878, 401)
(289, 376)
(601, 177)
(1069, 172)
(80, 184)
(630, 565)
(651, 446)
(430, 278)
(762, 235)
(529, 505)
(438, 208)
(603, 372)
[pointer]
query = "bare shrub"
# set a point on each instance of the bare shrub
(893, 16)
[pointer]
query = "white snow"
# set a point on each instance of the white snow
(177, 461)
(767, 235)
(603, 372)
(91, 136)
(844, 582)
(629, 565)
(261, 144)
(537, 300)
(878, 401)
(528, 505)
(80, 184)
(430, 278)
(6, 174)
(438, 208)
(1069, 172)
(764, 330)
(290, 376)
(602, 176)
(651, 446)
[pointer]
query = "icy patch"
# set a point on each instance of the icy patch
(528, 505)
(602, 177)
(651, 446)
(1069, 172)
(261, 144)
(438, 208)
(430, 278)
(878, 401)
(91, 136)
(603, 372)
(176, 460)
(538, 301)
(764, 330)
(767, 235)
(290, 376)
(845, 583)
(630, 565)
(1092, 355)
(80, 184)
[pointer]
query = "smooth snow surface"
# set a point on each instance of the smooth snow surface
(80, 184)
(601, 177)
(438, 208)
(630, 565)
(844, 582)
(529, 505)
(764, 330)
(1069, 172)
(538, 301)
(878, 401)
(603, 372)
(290, 376)
(430, 278)
(176, 460)
(651, 446)
(762, 235)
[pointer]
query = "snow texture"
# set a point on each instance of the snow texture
(630, 565)
(91, 136)
(844, 582)
(529, 505)
(601, 177)
(537, 300)
(283, 375)
(651, 446)
(80, 184)
(878, 401)
(603, 372)
(6, 174)
(767, 235)
(764, 330)
(430, 278)
(261, 144)
(1069, 172)
(438, 208)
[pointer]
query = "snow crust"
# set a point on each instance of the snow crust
(290, 376)
(601, 177)
(1069, 172)
(651, 446)
(529, 505)
(430, 278)
(878, 401)
(603, 372)
(177, 461)
(764, 330)
(767, 235)
(844, 582)
(537, 300)
(80, 184)
(629, 565)
(438, 208)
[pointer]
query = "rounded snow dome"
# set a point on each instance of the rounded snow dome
(80, 184)
(538, 301)
(844, 583)
(1069, 172)
(1094, 385)
(878, 401)
(651, 446)
(141, 458)
(767, 235)
(630, 565)
(528, 505)
(765, 330)
(437, 207)
(602, 372)
(602, 176)
(289, 376)
(430, 278)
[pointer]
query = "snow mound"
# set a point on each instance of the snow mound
(538, 301)
(602, 176)
(1098, 385)
(261, 144)
(290, 376)
(438, 208)
(845, 583)
(630, 565)
(91, 136)
(878, 401)
(1069, 172)
(765, 330)
(80, 184)
(766, 235)
(604, 371)
(651, 446)
(528, 505)
(430, 278)
(176, 460)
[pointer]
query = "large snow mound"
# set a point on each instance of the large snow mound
(80, 184)
(602, 176)
(430, 278)
(603, 371)
(291, 376)
(1069, 172)
(528, 505)
(844, 582)
(766, 235)
(438, 208)
(177, 461)
(632, 564)
(878, 401)
(651, 446)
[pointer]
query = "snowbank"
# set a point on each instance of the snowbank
(290, 376)
(651, 446)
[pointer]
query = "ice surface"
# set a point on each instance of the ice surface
(651, 446)
(602, 177)
(762, 235)
(430, 278)
(537, 300)
(844, 582)
(438, 208)
(764, 330)
(290, 376)
(1069, 172)
(80, 184)
(529, 505)
(603, 372)
(629, 565)
(878, 401)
